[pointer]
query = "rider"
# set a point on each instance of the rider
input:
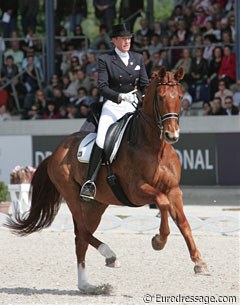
(121, 72)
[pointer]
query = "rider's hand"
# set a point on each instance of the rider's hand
(127, 97)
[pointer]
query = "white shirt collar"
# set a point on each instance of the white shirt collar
(121, 54)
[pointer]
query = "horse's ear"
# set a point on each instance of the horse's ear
(154, 74)
(162, 72)
(179, 74)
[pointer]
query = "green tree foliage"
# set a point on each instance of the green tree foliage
(162, 10)
(3, 191)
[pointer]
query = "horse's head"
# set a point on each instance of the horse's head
(165, 91)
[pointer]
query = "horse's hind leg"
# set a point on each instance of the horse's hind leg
(92, 214)
(177, 214)
(84, 229)
(159, 240)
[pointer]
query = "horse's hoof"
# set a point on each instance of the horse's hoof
(113, 262)
(158, 243)
(201, 269)
(104, 289)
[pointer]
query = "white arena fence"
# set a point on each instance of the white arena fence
(222, 224)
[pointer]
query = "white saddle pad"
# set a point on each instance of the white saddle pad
(85, 147)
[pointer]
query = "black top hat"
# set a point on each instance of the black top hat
(122, 29)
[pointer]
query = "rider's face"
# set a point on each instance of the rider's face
(123, 43)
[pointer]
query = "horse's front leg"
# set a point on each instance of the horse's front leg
(177, 214)
(159, 240)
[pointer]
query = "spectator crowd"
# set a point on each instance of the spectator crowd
(200, 36)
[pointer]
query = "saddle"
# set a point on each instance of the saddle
(114, 137)
(112, 143)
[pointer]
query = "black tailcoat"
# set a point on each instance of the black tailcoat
(115, 77)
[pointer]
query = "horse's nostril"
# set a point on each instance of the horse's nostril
(171, 137)
(167, 135)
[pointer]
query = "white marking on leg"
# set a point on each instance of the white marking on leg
(105, 251)
(82, 279)
(87, 288)
(81, 274)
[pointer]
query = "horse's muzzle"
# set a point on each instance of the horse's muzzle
(171, 137)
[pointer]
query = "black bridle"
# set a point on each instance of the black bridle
(171, 115)
(161, 118)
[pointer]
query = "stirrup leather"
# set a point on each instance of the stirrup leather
(88, 190)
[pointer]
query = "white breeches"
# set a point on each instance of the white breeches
(111, 112)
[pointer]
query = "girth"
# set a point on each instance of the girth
(112, 135)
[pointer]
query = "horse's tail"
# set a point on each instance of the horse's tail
(45, 203)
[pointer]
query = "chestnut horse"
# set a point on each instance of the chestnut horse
(149, 172)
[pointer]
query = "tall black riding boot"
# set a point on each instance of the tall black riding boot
(88, 190)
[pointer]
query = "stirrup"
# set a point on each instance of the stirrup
(88, 190)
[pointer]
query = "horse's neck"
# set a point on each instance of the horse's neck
(145, 131)
(148, 101)
(146, 148)
(147, 118)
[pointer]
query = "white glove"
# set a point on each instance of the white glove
(127, 97)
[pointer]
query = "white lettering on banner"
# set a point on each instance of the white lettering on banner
(199, 160)
(195, 159)
(40, 156)
(208, 165)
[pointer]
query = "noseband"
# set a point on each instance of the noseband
(171, 115)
